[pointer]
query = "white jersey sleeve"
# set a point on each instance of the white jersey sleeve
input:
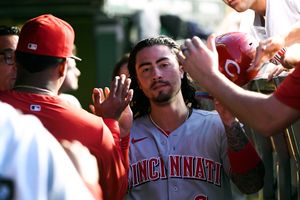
(33, 165)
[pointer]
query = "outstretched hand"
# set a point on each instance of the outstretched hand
(110, 103)
(198, 59)
(265, 51)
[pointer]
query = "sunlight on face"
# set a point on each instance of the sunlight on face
(158, 73)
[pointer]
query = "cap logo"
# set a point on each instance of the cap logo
(32, 46)
(231, 62)
(35, 108)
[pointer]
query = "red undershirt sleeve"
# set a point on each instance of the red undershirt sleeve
(124, 143)
(113, 126)
(244, 160)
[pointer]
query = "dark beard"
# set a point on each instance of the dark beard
(162, 98)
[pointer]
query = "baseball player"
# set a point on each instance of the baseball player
(267, 114)
(178, 151)
(270, 18)
(41, 70)
(71, 82)
(9, 36)
(33, 164)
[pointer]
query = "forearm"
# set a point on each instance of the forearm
(113, 168)
(124, 143)
(247, 169)
(293, 36)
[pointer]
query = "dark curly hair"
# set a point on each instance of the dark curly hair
(140, 104)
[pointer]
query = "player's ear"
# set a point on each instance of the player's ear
(181, 71)
(138, 82)
(62, 68)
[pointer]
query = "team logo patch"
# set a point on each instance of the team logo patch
(32, 46)
(35, 107)
(6, 189)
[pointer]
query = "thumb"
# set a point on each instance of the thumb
(211, 43)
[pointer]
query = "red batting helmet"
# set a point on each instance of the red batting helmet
(236, 51)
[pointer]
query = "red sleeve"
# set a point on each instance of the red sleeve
(113, 126)
(114, 180)
(288, 91)
(125, 149)
(244, 160)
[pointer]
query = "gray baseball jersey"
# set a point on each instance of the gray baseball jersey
(190, 164)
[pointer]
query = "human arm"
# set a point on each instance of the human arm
(125, 118)
(85, 164)
(247, 169)
(113, 164)
(269, 47)
(114, 103)
(263, 113)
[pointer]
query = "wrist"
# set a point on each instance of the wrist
(231, 123)
(236, 136)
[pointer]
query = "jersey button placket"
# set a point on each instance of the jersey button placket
(175, 188)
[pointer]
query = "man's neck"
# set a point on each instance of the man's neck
(37, 88)
(260, 7)
(171, 116)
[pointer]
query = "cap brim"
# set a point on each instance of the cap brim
(75, 58)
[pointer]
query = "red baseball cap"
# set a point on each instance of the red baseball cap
(47, 35)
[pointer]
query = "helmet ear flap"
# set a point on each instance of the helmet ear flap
(236, 51)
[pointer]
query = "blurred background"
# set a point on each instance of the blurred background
(106, 29)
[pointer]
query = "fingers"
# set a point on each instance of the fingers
(266, 51)
(97, 95)
(257, 61)
(192, 45)
(105, 93)
(197, 43)
(120, 87)
(189, 47)
(180, 57)
(114, 85)
(276, 71)
(129, 96)
(92, 108)
(126, 87)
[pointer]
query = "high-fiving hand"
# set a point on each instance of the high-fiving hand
(110, 103)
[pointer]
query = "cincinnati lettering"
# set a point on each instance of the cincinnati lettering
(190, 167)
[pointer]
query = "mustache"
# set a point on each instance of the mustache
(154, 83)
